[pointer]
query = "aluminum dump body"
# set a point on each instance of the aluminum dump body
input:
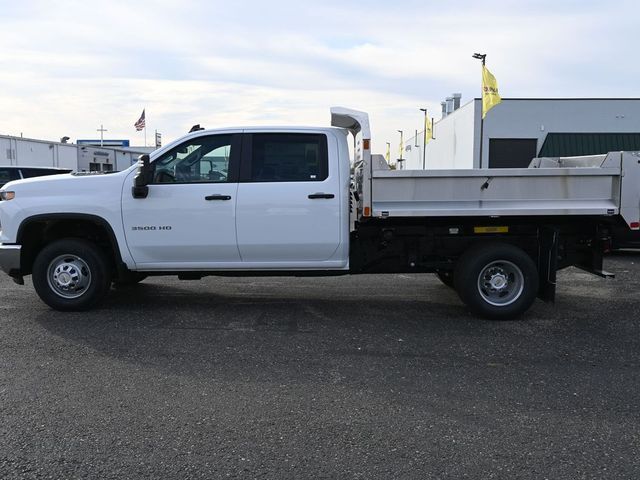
(597, 185)
(600, 185)
(521, 191)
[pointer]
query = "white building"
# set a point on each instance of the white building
(519, 129)
(42, 153)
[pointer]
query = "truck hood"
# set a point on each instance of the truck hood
(65, 184)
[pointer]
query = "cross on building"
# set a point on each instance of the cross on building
(101, 130)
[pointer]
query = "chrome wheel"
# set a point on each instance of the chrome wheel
(69, 276)
(501, 283)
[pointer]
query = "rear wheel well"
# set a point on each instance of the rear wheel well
(36, 233)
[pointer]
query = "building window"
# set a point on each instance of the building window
(512, 152)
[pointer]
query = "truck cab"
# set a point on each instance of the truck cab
(266, 199)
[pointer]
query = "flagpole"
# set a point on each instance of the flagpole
(424, 143)
(400, 160)
(483, 57)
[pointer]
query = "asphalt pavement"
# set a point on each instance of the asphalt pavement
(376, 377)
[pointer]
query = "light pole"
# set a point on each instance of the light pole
(424, 140)
(483, 58)
(401, 147)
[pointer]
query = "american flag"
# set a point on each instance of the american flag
(140, 124)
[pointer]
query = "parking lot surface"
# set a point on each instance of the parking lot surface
(347, 377)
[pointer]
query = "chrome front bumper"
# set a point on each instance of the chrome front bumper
(10, 259)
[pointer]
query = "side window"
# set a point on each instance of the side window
(5, 176)
(201, 159)
(289, 157)
(38, 172)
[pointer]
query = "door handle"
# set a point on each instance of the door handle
(218, 197)
(321, 195)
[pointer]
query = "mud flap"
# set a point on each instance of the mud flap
(592, 262)
(547, 263)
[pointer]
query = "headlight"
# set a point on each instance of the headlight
(7, 195)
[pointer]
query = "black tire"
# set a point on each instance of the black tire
(446, 277)
(129, 279)
(71, 274)
(496, 281)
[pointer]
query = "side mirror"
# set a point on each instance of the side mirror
(142, 178)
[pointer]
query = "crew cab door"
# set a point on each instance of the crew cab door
(187, 221)
(289, 200)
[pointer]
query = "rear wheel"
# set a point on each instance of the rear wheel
(71, 274)
(496, 281)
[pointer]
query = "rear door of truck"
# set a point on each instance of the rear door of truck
(289, 199)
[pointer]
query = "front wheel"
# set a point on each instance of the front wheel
(71, 274)
(496, 281)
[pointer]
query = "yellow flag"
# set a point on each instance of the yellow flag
(388, 154)
(490, 95)
(429, 129)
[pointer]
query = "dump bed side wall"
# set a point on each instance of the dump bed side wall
(508, 192)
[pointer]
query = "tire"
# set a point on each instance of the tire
(130, 279)
(496, 281)
(71, 274)
(446, 277)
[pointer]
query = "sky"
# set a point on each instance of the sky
(67, 67)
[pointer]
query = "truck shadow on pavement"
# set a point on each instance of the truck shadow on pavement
(183, 330)
(259, 332)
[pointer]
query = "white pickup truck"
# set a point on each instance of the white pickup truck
(281, 201)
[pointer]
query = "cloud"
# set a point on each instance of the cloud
(70, 66)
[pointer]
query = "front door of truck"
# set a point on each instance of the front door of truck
(187, 220)
(289, 200)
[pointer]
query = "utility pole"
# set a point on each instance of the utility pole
(424, 140)
(483, 58)
(101, 130)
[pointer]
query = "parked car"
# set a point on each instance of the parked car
(9, 173)
(625, 238)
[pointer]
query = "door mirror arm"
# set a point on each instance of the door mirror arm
(142, 178)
